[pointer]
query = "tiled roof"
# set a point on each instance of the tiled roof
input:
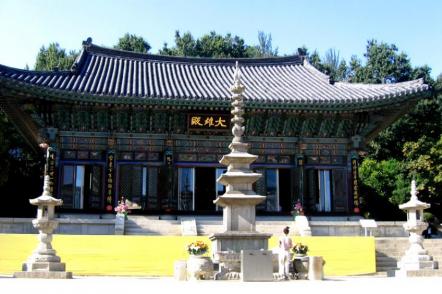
(101, 74)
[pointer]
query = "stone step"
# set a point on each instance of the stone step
(150, 233)
(386, 262)
(386, 268)
(420, 273)
(391, 250)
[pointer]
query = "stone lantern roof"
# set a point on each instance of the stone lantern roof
(414, 202)
(46, 198)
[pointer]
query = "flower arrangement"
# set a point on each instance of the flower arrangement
(300, 249)
(197, 248)
(298, 209)
(122, 207)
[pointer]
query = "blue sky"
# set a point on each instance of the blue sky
(346, 25)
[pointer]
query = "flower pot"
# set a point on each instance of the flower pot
(122, 216)
(199, 267)
(300, 266)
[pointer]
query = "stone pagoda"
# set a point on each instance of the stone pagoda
(416, 258)
(239, 201)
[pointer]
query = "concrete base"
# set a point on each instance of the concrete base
(226, 248)
(417, 262)
(256, 265)
(418, 273)
(302, 227)
(315, 268)
(237, 241)
(44, 266)
(180, 270)
(43, 275)
(120, 220)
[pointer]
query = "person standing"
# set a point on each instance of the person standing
(285, 244)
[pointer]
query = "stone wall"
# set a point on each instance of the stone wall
(74, 226)
(149, 225)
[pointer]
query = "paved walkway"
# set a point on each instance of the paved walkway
(107, 285)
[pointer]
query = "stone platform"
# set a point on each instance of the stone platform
(419, 273)
(43, 275)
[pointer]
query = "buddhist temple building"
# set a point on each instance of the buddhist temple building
(152, 129)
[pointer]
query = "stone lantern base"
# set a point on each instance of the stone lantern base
(227, 246)
(234, 241)
(416, 263)
(43, 275)
(53, 269)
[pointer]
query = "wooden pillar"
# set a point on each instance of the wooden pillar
(355, 183)
(300, 171)
(110, 180)
(50, 169)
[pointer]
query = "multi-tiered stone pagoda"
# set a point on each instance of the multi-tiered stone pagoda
(239, 201)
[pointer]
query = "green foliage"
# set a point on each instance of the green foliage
(218, 46)
(4, 148)
(384, 65)
(384, 186)
(54, 57)
(133, 43)
(424, 161)
(428, 217)
(264, 47)
(18, 165)
(13, 150)
(387, 177)
(425, 115)
(315, 60)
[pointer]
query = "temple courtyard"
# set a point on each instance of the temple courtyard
(342, 285)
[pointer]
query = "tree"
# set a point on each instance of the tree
(54, 57)
(264, 47)
(133, 43)
(215, 45)
(18, 165)
(384, 65)
(209, 45)
(184, 46)
(334, 66)
(315, 60)
(387, 177)
(414, 152)
(4, 148)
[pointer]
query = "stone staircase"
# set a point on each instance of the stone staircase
(153, 225)
(207, 225)
(390, 250)
(147, 225)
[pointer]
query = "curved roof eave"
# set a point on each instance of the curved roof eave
(81, 98)
(103, 75)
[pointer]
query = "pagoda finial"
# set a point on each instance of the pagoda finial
(237, 74)
(237, 87)
(413, 191)
(237, 90)
(46, 186)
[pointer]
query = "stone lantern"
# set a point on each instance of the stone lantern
(44, 263)
(416, 257)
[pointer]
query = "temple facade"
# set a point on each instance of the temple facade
(152, 129)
